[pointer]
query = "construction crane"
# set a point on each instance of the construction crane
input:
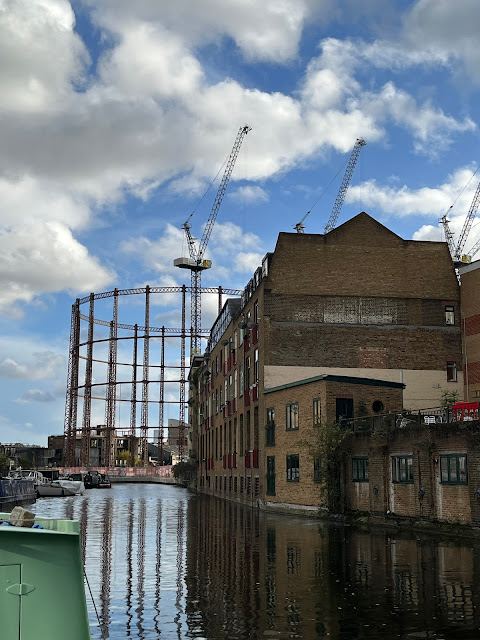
(347, 178)
(457, 250)
(196, 262)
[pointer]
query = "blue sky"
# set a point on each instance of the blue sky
(116, 115)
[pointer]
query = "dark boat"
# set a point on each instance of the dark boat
(15, 491)
(96, 480)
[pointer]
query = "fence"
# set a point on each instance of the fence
(124, 472)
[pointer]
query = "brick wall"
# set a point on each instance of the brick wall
(458, 503)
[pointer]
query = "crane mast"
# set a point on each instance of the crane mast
(196, 262)
(337, 207)
(448, 235)
(467, 225)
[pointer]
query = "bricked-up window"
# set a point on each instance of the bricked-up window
(360, 469)
(293, 468)
(317, 469)
(451, 371)
(453, 468)
(317, 412)
(292, 416)
(449, 314)
(270, 428)
(402, 469)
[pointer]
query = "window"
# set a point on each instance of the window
(377, 406)
(240, 373)
(317, 469)
(449, 314)
(270, 436)
(235, 384)
(451, 371)
(255, 366)
(402, 468)
(247, 372)
(292, 416)
(317, 412)
(255, 312)
(360, 469)
(453, 468)
(216, 400)
(293, 468)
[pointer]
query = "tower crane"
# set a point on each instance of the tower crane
(456, 250)
(347, 178)
(196, 262)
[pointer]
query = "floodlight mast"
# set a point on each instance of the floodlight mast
(196, 263)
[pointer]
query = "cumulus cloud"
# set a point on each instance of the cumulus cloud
(426, 201)
(249, 195)
(74, 145)
(42, 365)
(36, 395)
(39, 258)
(248, 262)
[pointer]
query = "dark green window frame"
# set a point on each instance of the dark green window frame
(453, 468)
(270, 428)
(293, 468)
(291, 419)
(402, 469)
(360, 469)
(317, 469)
(317, 412)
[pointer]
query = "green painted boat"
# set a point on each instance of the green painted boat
(42, 594)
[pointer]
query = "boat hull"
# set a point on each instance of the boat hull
(15, 491)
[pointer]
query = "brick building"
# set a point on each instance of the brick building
(470, 278)
(357, 302)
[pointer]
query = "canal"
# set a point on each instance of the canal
(164, 563)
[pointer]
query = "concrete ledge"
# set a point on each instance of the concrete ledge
(294, 509)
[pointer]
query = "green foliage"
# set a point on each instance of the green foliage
(25, 463)
(127, 457)
(331, 443)
(4, 464)
(184, 471)
(448, 398)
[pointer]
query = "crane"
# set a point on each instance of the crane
(456, 250)
(196, 262)
(337, 207)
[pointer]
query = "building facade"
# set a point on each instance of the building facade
(470, 278)
(359, 302)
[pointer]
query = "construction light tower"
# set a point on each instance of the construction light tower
(337, 207)
(196, 262)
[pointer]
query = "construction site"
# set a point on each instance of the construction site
(121, 373)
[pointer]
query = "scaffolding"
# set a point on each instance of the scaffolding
(88, 350)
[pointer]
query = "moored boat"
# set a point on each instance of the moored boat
(61, 488)
(15, 491)
(42, 591)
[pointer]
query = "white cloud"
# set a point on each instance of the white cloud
(36, 395)
(248, 262)
(41, 365)
(269, 30)
(447, 28)
(425, 201)
(39, 258)
(249, 195)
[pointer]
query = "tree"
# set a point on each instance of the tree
(185, 471)
(127, 457)
(448, 398)
(4, 464)
(25, 463)
(330, 444)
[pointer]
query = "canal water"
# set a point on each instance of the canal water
(164, 563)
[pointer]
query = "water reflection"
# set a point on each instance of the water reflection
(163, 563)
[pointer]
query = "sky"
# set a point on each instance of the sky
(115, 117)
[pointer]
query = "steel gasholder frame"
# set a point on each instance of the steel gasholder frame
(77, 437)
